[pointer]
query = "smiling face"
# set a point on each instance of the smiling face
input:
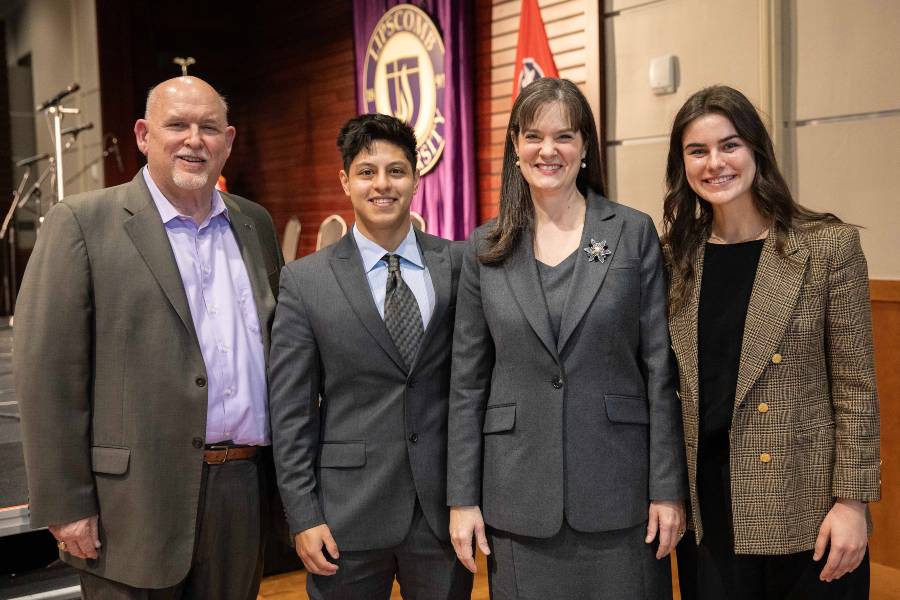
(380, 183)
(550, 151)
(185, 137)
(719, 165)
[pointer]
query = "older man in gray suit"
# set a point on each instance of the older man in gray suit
(360, 378)
(140, 342)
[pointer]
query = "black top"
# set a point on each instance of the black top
(556, 281)
(728, 273)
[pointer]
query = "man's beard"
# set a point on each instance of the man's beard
(190, 181)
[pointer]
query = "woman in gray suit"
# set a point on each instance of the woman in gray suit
(564, 428)
(770, 321)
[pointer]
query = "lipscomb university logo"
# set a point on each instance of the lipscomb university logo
(404, 77)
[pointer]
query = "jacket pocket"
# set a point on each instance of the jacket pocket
(625, 263)
(112, 460)
(342, 454)
(499, 418)
(627, 409)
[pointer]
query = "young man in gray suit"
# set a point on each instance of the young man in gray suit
(359, 379)
(140, 342)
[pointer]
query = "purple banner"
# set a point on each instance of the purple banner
(414, 61)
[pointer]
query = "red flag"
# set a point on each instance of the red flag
(533, 57)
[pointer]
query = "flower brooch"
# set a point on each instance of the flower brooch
(597, 251)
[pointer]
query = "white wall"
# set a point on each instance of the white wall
(823, 72)
(708, 52)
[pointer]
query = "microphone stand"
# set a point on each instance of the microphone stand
(9, 277)
(15, 203)
(54, 108)
(58, 112)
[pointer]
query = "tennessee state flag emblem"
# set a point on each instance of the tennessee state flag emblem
(533, 57)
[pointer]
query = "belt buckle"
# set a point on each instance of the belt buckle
(224, 458)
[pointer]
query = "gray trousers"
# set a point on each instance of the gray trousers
(227, 563)
(572, 565)
(425, 567)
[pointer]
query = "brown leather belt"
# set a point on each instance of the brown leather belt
(218, 455)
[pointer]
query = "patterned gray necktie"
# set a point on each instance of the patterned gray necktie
(401, 312)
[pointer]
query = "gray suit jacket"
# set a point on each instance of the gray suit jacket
(111, 381)
(378, 440)
(587, 427)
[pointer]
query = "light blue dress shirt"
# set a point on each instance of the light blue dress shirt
(412, 269)
(224, 313)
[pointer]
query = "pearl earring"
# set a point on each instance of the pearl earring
(583, 165)
(517, 162)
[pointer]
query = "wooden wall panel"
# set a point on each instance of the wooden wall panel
(573, 32)
(885, 545)
(485, 106)
(286, 69)
(285, 156)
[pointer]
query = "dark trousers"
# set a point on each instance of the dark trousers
(713, 571)
(708, 572)
(227, 563)
(425, 567)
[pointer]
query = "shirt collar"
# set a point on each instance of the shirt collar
(168, 211)
(372, 253)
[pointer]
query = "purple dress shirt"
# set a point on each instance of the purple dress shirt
(224, 313)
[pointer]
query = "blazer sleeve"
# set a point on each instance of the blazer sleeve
(470, 384)
(668, 466)
(849, 355)
(294, 386)
(52, 366)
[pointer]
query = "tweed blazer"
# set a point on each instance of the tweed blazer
(583, 427)
(358, 436)
(805, 426)
(111, 380)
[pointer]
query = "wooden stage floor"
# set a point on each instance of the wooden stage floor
(292, 586)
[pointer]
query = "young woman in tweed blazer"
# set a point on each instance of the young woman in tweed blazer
(770, 322)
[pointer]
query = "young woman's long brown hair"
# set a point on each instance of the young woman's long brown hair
(516, 210)
(687, 218)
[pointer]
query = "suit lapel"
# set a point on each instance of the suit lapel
(601, 225)
(436, 254)
(348, 269)
(148, 234)
(525, 283)
(251, 252)
(683, 328)
(775, 292)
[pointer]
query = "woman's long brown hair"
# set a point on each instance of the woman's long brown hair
(516, 209)
(687, 218)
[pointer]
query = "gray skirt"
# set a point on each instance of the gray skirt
(572, 565)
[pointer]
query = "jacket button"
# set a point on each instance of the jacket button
(197, 442)
(557, 382)
(765, 457)
(414, 437)
(776, 358)
(201, 382)
(763, 407)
